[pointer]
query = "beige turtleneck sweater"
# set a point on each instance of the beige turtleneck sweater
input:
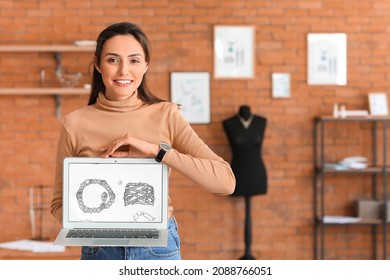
(87, 130)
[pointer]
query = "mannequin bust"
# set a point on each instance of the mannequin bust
(245, 133)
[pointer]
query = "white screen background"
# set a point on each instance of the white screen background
(117, 176)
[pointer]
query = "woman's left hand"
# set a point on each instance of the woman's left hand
(130, 147)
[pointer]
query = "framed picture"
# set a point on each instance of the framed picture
(234, 51)
(280, 85)
(327, 59)
(192, 91)
(378, 104)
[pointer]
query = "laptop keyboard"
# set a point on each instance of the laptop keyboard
(113, 233)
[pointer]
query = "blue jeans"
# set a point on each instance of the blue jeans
(170, 252)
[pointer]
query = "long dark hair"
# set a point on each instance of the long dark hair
(121, 28)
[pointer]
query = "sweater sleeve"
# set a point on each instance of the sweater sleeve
(64, 149)
(191, 157)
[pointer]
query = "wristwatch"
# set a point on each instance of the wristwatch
(164, 148)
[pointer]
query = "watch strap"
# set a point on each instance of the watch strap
(160, 155)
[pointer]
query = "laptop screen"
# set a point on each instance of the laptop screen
(103, 191)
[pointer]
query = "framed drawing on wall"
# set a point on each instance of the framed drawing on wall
(327, 59)
(234, 51)
(378, 104)
(192, 91)
(280, 85)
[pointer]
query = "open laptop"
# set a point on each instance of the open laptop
(114, 202)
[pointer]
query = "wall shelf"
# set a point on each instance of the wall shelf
(43, 91)
(57, 92)
(46, 48)
(57, 50)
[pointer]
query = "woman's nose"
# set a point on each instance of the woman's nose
(124, 69)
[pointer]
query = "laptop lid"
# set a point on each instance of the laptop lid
(115, 193)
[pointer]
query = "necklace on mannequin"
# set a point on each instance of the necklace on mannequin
(246, 123)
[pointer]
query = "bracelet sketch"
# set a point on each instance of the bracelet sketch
(138, 193)
(104, 205)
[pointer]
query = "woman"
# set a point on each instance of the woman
(123, 119)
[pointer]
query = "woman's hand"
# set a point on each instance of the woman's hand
(130, 147)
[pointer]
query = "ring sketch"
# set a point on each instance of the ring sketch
(104, 195)
(147, 216)
(138, 193)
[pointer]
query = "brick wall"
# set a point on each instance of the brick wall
(181, 32)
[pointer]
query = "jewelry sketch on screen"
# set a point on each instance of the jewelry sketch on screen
(131, 193)
(327, 59)
(191, 90)
(234, 51)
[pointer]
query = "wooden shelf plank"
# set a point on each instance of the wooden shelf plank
(46, 48)
(361, 222)
(369, 118)
(44, 91)
(368, 170)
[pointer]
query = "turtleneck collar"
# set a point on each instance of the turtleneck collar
(127, 105)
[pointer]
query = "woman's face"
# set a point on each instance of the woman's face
(122, 66)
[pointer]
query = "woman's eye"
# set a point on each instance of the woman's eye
(113, 60)
(134, 61)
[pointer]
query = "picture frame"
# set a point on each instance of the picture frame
(191, 90)
(378, 104)
(281, 85)
(327, 59)
(234, 51)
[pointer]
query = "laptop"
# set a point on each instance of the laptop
(114, 202)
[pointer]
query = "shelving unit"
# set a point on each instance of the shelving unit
(375, 170)
(57, 50)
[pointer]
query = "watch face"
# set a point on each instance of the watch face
(165, 146)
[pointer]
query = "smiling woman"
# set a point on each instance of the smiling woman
(124, 119)
(122, 29)
(122, 66)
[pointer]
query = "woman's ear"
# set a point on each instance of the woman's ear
(97, 68)
(96, 65)
(146, 68)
